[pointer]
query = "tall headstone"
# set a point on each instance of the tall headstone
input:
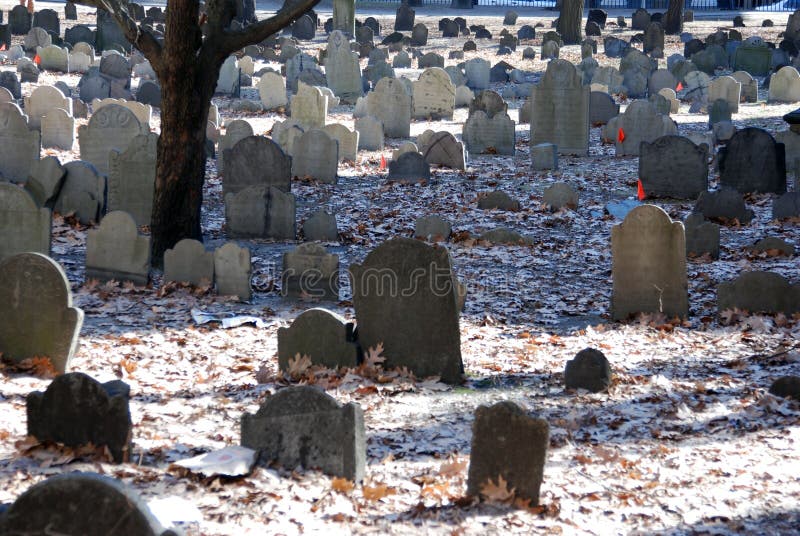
(20, 145)
(132, 178)
(404, 18)
(390, 102)
(36, 306)
(649, 265)
(309, 107)
(23, 225)
(434, 95)
(561, 109)
(752, 161)
(344, 16)
(342, 70)
(272, 91)
(111, 127)
(256, 161)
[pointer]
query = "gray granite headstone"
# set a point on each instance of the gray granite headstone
(316, 156)
(111, 127)
(261, 212)
(20, 145)
(45, 181)
(561, 109)
(321, 226)
(673, 166)
(83, 192)
(410, 167)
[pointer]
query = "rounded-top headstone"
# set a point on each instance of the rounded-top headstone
(589, 370)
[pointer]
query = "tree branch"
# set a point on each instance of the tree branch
(138, 36)
(229, 41)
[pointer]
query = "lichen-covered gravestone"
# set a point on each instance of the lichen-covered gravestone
(36, 307)
(507, 444)
(232, 271)
(111, 127)
(23, 225)
(77, 410)
(132, 178)
(673, 166)
(324, 337)
(304, 426)
(81, 503)
(405, 299)
(649, 265)
(309, 271)
(116, 250)
(561, 109)
(189, 262)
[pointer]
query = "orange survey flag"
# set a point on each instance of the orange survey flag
(2, 46)
(640, 191)
(37, 60)
(621, 135)
(679, 87)
(383, 163)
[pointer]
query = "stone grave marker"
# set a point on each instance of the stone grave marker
(111, 127)
(654, 39)
(702, 237)
(489, 134)
(325, 337)
(70, 11)
(304, 28)
(410, 167)
(673, 166)
(405, 292)
(544, 156)
(342, 70)
(725, 204)
(309, 271)
(560, 195)
(346, 138)
(20, 144)
(9, 81)
(649, 265)
(116, 250)
(753, 59)
(786, 206)
(370, 133)
(229, 79)
(76, 410)
(752, 161)
(83, 192)
(344, 16)
(260, 212)
(601, 108)
(727, 89)
(36, 306)
(235, 131)
(432, 228)
(309, 106)
(419, 35)
(132, 177)
(23, 225)
(316, 156)
(143, 112)
(660, 79)
(80, 33)
(272, 91)
(640, 19)
(442, 148)
(19, 20)
(508, 443)
(589, 370)
(404, 19)
(390, 103)
(758, 292)
(232, 271)
(321, 226)
(45, 181)
(189, 262)
(434, 95)
(640, 122)
(784, 86)
(498, 200)
(749, 86)
(477, 71)
(301, 425)
(561, 109)
(256, 161)
(55, 58)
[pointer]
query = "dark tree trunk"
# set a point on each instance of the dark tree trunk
(569, 21)
(673, 20)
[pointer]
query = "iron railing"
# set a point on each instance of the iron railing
(695, 5)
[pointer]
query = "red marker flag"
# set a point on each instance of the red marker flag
(2, 47)
(640, 191)
(383, 163)
(37, 60)
(621, 135)
(679, 87)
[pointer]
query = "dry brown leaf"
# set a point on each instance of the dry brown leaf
(378, 492)
(342, 485)
(298, 365)
(497, 492)
(452, 468)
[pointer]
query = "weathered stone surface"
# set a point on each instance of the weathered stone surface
(256, 161)
(309, 106)
(77, 410)
(272, 91)
(589, 370)
(759, 292)
(640, 122)
(390, 103)
(304, 426)
(111, 127)
(116, 251)
(498, 200)
(309, 271)
(702, 237)
(81, 503)
(434, 95)
(560, 195)
(20, 144)
(773, 245)
(752, 161)
(45, 181)
(346, 138)
(442, 148)
(786, 206)
(494, 135)
(784, 86)
(561, 109)
(235, 131)
(405, 298)
(83, 192)
(132, 176)
(725, 204)
(673, 166)
(409, 167)
(36, 306)
(649, 265)
(189, 262)
(317, 156)
(544, 156)
(432, 228)
(601, 108)
(58, 129)
(23, 225)
(321, 226)
(261, 212)
(232, 271)
(508, 443)
(326, 338)
(342, 70)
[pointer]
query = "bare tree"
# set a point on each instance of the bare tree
(187, 65)
(569, 21)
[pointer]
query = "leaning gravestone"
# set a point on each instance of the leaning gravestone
(673, 166)
(342, 70)
(45, 181)
(326, 338)
(589, 370)
(444, 149)
(111, 127)
(759, 292)
(346, 138)
(116, 251)
(232, 271)
(508, 444)
(109, 34)
(77, 410)
(20, 144)
(410, 167)
(405, 299)
(81, 503)
(23, 225)
(434, 95)
(189, 262)
(752, 161)
(132, 177)
(256, 161)
(390, 103)
(304, 426)
(318, 156)
(561, 109)
(749, 86)
(36, 308)
(648, 265)
(309, 271)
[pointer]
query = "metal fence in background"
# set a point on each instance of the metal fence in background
(696, 5)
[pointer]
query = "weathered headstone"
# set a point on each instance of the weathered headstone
(390, 103)
(111, 127)
(727, 89)
(601, 108)
(759, 292)
(342, 70)
(316, 156)
(256, 161)
(589, 370)
(23, 225)
(561, 109)
(20, 145)
(725, 204)
(346, 138)
(261, 212)
(310, 271)
(784, 86)
(19, 20)
(640, 122)
(673, 166)
(444, 149)
(404, 18)
(560, 195)
(702, 237)
(752, 161)
(272, 91)
(232, 271)
(326, 338)
(410, 167)
(116, 251)
(432, 228)
(434, 95)
(344, 16)
(83, 192)
(321, 226)
(309, 107)
(786, 206)
(370, 133)
(131, 178)
(189, 262)
(649, 265)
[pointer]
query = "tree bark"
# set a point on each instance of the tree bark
(673, 20)
(569, 21)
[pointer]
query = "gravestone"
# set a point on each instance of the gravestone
(342, 70)
(601, 108)
(36, 306)
(725, 204)
(304, 426)
(80, 33)
(325, 337)
(640, 19)
(55, 58)
(304, 28)
(131, 178)
(272, 91)
(434, 95)
(404, 19)
(235, 131)
(561, 109)
(640, 122)
(109, 35)
(654, 39)
(786, 206)
(260, 212)
(81, 503)
(649, 265)
(753, 59)
(759, 292)
(70, 11)
(508, 444)
(660, 79)
(560, 195)
(83, 192)
(419, 35)
(673, 166)
(111, 127)
(432, 228)
(749, 91)
(256, 161)
(19, 20)
(614, 47)
(309, 271)
(784, 86)
(76, 410)
(365, 35)
(229, 81)
(317, 157)
(405, 298)
(47, 19)
(344, 16)
(189, 262)
(23, 225)
(491, 135)
(45, 181)
(346, 138)
(498, 200)
(589, 370)
(444, 149)
(390, 103)
(370, 133)
(232, 271)
(752, 161)
(309, 106)
(477, 71)
(410, 167)
(116, 251)
(702, 237)
(20, 144)
(544, 156)
(321, 226)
